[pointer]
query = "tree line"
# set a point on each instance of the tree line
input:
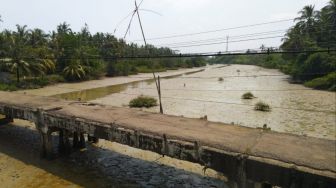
(33, 58)
(313, 30)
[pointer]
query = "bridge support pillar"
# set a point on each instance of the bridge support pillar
(46, 145)
(82, 141)
(241, 172)
(64, 142)
(239, 180)
(78, 140)
(75, 140)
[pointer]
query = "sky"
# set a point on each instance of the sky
(162, 18)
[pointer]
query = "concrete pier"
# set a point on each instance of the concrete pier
(247, 157)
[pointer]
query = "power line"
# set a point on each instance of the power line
(224, 38)
(224, 42)
(219, 38)
(232, 37)
(217, 30)
(267, 52)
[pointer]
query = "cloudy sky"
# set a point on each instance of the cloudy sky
(176, 17)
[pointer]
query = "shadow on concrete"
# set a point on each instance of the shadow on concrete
(95, 167)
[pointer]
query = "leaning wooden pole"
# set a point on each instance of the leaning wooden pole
(159, 92)
(144, 38)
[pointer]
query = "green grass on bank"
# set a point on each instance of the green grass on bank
(327, 82)
(31, 83)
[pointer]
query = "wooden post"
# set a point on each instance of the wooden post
(159, 92)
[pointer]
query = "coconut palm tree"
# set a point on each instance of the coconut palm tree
(16, 51)
(63, 28)
(15, 47)
(45, 59)
(74, 71)
(331, 12)
(37, 37)
(307, 18)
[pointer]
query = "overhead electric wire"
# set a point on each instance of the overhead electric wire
(217, 30)
(224, 38)
(266, 52)
(224, 42)
(233, 37)
(219, 38)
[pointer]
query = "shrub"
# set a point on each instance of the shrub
(247, 95)
(54, 78)
(325, 82)
(261, 106)
(143, 101)
(7, 87)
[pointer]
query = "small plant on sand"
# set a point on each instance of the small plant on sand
(221, 79)
(143, 101)
(247, 95)
(261, 106)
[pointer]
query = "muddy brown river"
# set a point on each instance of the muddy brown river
(294, 109)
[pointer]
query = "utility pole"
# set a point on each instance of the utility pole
(157, 82)
(227, 43)
(137, 11)
(159, 92)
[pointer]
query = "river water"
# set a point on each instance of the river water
(294, 108)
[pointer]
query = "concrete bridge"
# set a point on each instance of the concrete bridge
(247, 157)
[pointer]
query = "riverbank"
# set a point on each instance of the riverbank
(104, 82)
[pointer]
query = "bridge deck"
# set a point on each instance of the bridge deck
(307, 152)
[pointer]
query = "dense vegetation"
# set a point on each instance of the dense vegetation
(31, 58)
(314, 30)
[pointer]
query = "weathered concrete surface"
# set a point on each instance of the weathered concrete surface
(243, 154)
